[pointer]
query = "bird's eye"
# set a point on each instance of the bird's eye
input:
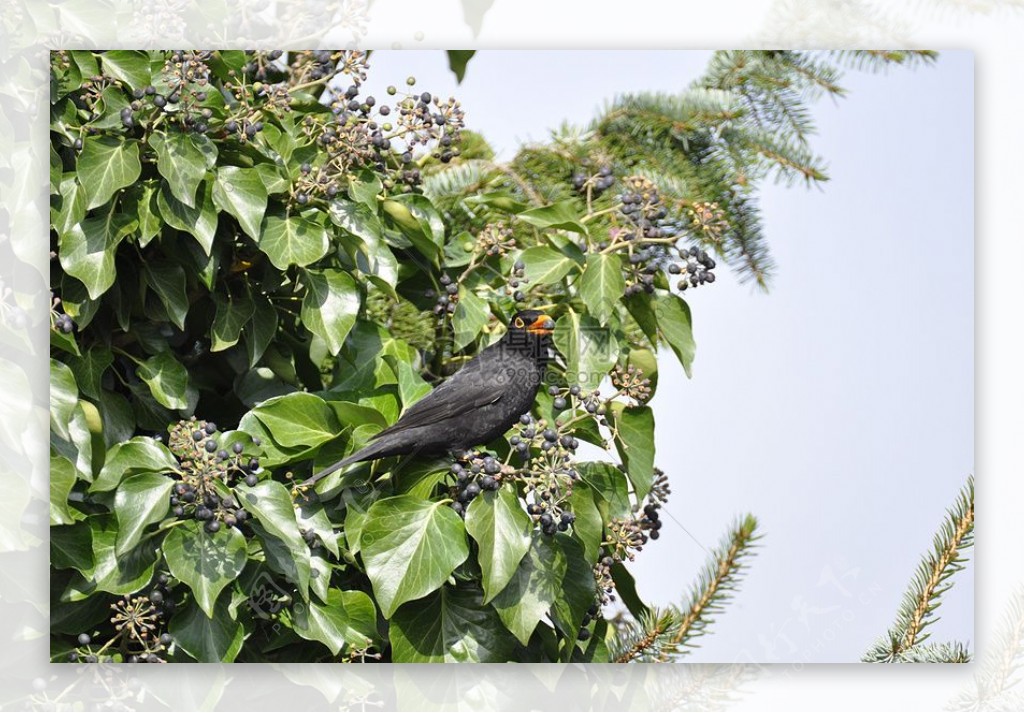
(519, 323)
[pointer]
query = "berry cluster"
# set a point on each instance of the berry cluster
(517, 279)
(137, 623)
(697, 269)
(447, 298)
(425, 119)
(204, 464)
(64, 323)
(627, 536)
(479, 473)
(549, 475)
(495, 240)
(631, 383)
(594, 184)
(592, 613)
(708, 219)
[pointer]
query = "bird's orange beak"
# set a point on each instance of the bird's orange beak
(542, 325)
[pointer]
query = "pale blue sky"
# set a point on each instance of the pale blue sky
(837, 408)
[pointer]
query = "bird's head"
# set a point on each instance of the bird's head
(531, 321)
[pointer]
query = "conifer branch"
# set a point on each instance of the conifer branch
(662, 635)
(716, 583)
(930, 582)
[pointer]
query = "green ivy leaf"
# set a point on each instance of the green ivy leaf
(588, 528)
(271, 504)
(501, 528)
(71, 548)
(205, 561)
(676, 327)
(410, 547)
(457, 61)
(471, 315)
(199, 221)
(62, 480)
(168, 282)
(533, 589)
(130, 66)
(418, 220)
(602, 285)
(167, 380)
(89, 369)
(183, 160)
(634, 440)
(106, 165)
(139, 501)
(625, 585)
(139, 455)
(261, 330)
(87, 249)
(365, 189)
(588, 348)
(610, 486)
(207, 640)
(143, 202)
(449, 626)
(74, 204)
(230, 315)
(347, 617)
(578, 591)
(546, 265)
(560, 216)
(330, 306)
(292, 240)
(298, 419)
(242, 193)
(63, 398)
(115, 573)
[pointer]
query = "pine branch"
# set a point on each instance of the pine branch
(715, 583)
(930, 582)
(955, 652)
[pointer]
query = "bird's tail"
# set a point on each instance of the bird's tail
(377, 449)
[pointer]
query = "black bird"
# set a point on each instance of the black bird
(474, 406)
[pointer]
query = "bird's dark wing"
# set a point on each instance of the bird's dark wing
(471, 387)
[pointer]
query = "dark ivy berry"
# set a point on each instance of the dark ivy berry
(526, 419)
(472, 490)
(203, 513)
(550, 434)
(251, 480)
(166, 639)
(211, 427)
(574, 390)
(584, 634)
(211, 446)
(559, 403)
(156, 596)
(178, 511)
(213, 526)
(198, 435)
(222, 454)
(84, 639)
(254, 463)
(488, 483)
(237, 448)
